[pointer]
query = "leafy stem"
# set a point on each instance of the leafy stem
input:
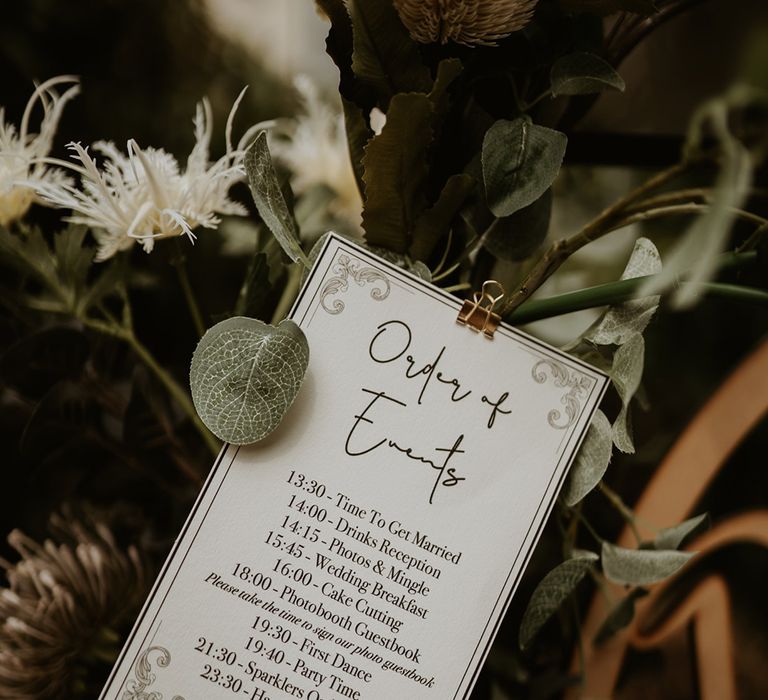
(290, 291)
(606, 222)
(621, 291)
(626, 512)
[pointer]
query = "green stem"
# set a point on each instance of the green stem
(626, 290)
(172, 386)
(623, 508)
(175, 390)
(289, 294)
(180, 263)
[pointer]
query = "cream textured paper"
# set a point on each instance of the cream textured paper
(368, 548)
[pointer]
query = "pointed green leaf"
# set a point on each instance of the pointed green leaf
(638, 567)
(583, 73)
(622, 614)
(626, 373)
(520, 161)
(550, 594)
(269, 198)
(245, 375)
(672, 537)
(384, 55)
(591, 460)
(622, 321)
(395, 166)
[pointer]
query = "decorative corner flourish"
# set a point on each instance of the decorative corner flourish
(136, 688)
(346, 269)
(578, 386)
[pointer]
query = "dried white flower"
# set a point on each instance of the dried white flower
(315, 150)
(144, 196)
(23, 156)
(470, 22)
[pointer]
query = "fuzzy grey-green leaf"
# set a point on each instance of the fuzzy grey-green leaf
(245, 375)
(269, 199)
(591, 460)
(582, 73)
(549, 595)
(672, 537)
(639, 567)
(621, 322)
(520, 161)
(626, 373)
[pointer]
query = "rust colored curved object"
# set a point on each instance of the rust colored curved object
(678, 484)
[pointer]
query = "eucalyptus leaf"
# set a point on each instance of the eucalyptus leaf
(622, 321)
(269, 198)
(245, 375)
(639, 567)
(517, 236)
(620, 616)
(395, 166)
(582, 73)
(550, 594)
(626, 373)
(520, 161)
(591, 460)
(672, 537)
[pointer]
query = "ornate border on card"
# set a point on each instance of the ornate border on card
(346, 269)
(135, 689)
(578, 386)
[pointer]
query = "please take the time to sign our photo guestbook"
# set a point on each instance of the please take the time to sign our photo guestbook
(368, 547)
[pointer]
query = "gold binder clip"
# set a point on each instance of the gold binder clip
(478, 314)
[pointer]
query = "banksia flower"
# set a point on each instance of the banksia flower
(24, 162)
(470, 22)
(59, 612)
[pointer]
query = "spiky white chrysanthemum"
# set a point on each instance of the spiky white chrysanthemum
(470, 22)
(23, 155)
(144, 195)
(314, 148)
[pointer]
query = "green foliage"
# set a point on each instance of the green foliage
(620, 322)
(626, 373)
(591, 460)
(384, 56)
(269, 198)
(673, 537)
(245, 375)
(517, 236)
(698, 251)
(550, 594)
(395, 171)
(583, 73)
(520, 161)
(620, 616)
(433, 222)
(63, 272)
(639, 567)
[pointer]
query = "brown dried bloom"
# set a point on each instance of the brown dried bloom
(470, 22)
(63, 600)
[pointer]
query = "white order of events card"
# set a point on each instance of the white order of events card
(368, 548)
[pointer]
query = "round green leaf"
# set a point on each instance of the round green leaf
(583, 73)
(517, 237)
(245, 375)
(520, 161)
